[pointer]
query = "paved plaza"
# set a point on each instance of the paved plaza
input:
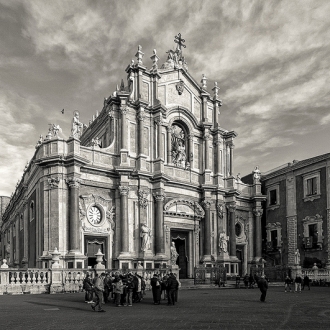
(197, 309)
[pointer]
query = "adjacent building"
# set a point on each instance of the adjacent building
(297, 218)
(151, 171)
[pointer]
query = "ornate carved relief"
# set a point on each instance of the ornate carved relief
(180, 87)
(184, 207)
(220, 209)
(143, 198)
(53, 182)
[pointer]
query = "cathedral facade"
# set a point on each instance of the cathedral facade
(153, 170)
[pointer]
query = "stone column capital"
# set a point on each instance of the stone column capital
(159, 121)
(124, 190)
(258, 212)
(231, 208)
(159, 196)
(206, 204)
(169, 129)
(74, 182)
(140, 116)
(123, 110)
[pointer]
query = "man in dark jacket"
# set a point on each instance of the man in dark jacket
(156, 286)
(172, 285)
(88, 287)
(263, 286)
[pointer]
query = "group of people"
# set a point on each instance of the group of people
(124, 290)
(299, 283)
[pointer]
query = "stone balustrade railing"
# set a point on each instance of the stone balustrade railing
(317, 274)
(36, 281)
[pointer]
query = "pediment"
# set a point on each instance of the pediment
(184, 207)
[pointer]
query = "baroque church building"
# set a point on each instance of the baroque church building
(153, 169)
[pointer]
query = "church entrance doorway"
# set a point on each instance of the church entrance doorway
(239, 255)
(92, 245)
(181, 241)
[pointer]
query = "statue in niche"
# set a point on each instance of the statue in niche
(223, 242)
(297, 257)
(77, 126)
(145, 234)
(178, 147)
(174, 254)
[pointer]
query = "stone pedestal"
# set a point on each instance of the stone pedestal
(56, 282)
(175, 270)
(99, 267)
(295, 270)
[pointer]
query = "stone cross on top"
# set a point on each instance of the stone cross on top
(179, 41)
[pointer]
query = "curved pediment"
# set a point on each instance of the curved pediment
(184, 207)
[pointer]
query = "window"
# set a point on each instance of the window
(273, 238)
(272, 197)
(313, 232)
(311, 187)
(313, 235)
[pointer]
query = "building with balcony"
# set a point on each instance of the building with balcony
(297, 212)
(153, 169)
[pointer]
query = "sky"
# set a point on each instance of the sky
(270, 59)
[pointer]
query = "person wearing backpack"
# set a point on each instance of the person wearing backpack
(156, 289)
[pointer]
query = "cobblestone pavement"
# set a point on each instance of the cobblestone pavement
(197, 309)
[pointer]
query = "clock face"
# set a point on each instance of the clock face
(94, 215)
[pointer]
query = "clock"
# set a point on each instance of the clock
(94, 215)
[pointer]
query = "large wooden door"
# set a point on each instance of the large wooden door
(92, 245)
(181, 241)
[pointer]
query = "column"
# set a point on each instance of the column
(25, 233)
(231, 153)
(159, 223)
(217, 144)
(159, 123)
(191, 149)
(232, 232)
(17, 256)
(124, 190)
(207, 228)
(207, 150)
(258, 234)
(123, 110)
(74, 184)
(169, 145)
(11, 245)
(140, 118)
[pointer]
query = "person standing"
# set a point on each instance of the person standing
(118, 290)
(129, 291)
(306, 282)
(172, 285)
(246, 280)
(88, 287)
(287, 283)
(297, 283)
(99, 289)
(156, 287)
(263, 286)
